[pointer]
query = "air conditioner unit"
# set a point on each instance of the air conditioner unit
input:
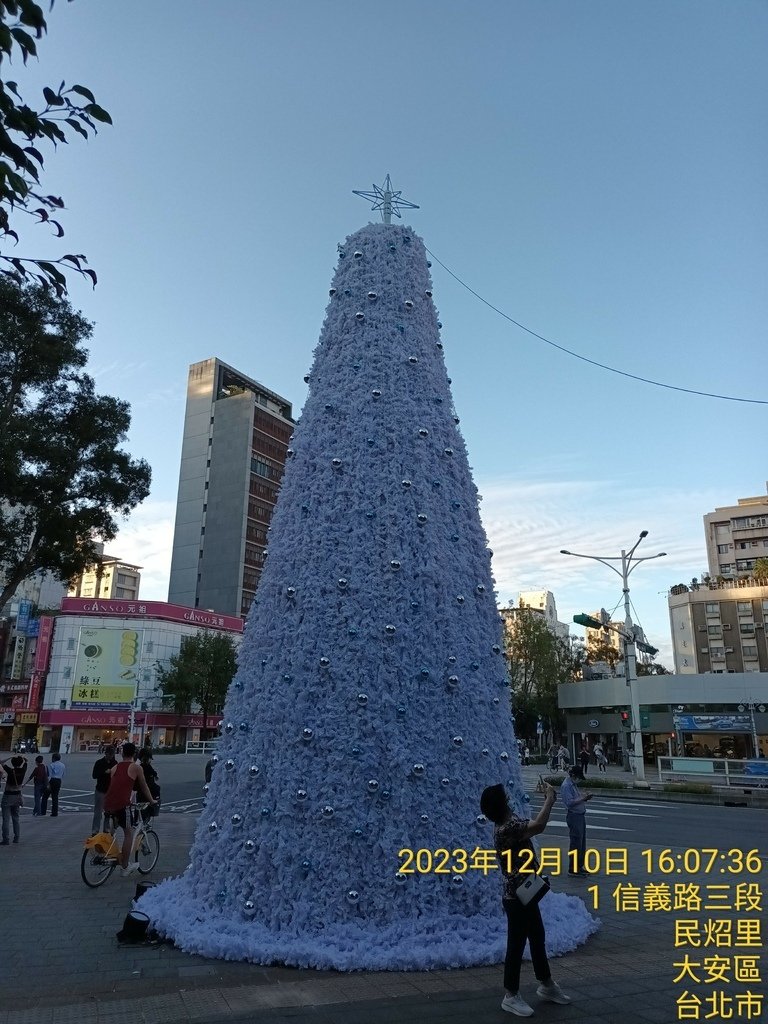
(729, 650)
(704, 650)
(702, 629)
(727, 625)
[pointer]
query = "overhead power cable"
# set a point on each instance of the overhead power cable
(586, 359)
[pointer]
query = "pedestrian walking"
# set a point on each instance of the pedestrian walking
(101, 773)
(576, 818)
(39, 779)
(564, 758)
(526, 754)
(600, 758)
(584, 757)
(55, 775)
(12, 799)
(512, 839)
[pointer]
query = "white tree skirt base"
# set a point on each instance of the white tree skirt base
(451, 941)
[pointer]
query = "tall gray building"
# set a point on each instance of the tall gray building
(236, 434)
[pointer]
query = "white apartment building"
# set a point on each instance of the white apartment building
(736, 536)
(543, 603)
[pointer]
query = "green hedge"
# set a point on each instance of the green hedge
(557, 780)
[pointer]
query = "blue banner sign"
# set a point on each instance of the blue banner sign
(22, 619)
(712, 723)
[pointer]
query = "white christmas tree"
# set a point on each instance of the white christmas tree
(371, 704)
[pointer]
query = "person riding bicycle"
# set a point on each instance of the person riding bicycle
(124, 776)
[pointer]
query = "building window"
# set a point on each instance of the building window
(744, 607)
(727, 568)
(723, 549)
(712, 608)
(714, 631)
(717, 653)
(744, 564)
(747, 628)
(750, 650)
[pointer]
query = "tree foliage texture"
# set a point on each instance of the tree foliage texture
(200, 673)
(66, 110)
(63, 477)
(538, 662)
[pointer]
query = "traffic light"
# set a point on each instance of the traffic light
(625, 722)
(587, 620)
(646, 648)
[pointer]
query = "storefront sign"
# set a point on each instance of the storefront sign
(152, 609)
(7, 718)
(33, 699)
(593, 723)
(106, 667)
(149, 719)
(17, 669)
(33, 627)
(712, 723)
(43, 649)
(22, 618)
(26, 717)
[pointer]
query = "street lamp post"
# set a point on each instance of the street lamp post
(628, 563)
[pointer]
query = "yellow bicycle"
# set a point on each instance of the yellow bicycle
(102, 852)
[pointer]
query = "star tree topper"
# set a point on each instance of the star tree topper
(386, 200)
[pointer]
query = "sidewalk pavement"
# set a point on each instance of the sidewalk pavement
(60, 962)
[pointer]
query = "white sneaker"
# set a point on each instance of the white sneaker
(517, 1005)
(131, 869)
(552, 993)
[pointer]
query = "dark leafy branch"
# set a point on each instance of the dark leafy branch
(68, 111)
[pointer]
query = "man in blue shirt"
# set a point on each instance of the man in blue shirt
(576, 817)
(55, 775)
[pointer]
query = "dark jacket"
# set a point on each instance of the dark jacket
(101, 771)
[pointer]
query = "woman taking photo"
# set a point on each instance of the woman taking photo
(512, 838)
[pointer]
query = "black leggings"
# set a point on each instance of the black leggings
(524, 924)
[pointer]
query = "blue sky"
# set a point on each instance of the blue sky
(594, 169)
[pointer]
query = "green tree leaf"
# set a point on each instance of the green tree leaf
(82, 91)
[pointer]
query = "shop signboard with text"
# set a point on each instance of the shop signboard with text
(106, 667)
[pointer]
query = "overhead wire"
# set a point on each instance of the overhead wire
(586, 359)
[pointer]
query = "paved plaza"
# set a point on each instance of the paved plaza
(61, 962)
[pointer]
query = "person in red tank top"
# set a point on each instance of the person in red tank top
(119, 796)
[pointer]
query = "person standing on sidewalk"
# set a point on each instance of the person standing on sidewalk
(102, 774)
(584, 757)
(39, 778)
(512, 839)
(11, 801)
(55, 775)
(600, 758)
(576, 817)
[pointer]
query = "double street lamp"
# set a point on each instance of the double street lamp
(629, 562)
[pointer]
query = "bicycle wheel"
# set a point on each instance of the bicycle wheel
(95, 868)
(148, 852)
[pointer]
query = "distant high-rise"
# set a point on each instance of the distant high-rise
(736, 536)
(110, 577)
(233, 455)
